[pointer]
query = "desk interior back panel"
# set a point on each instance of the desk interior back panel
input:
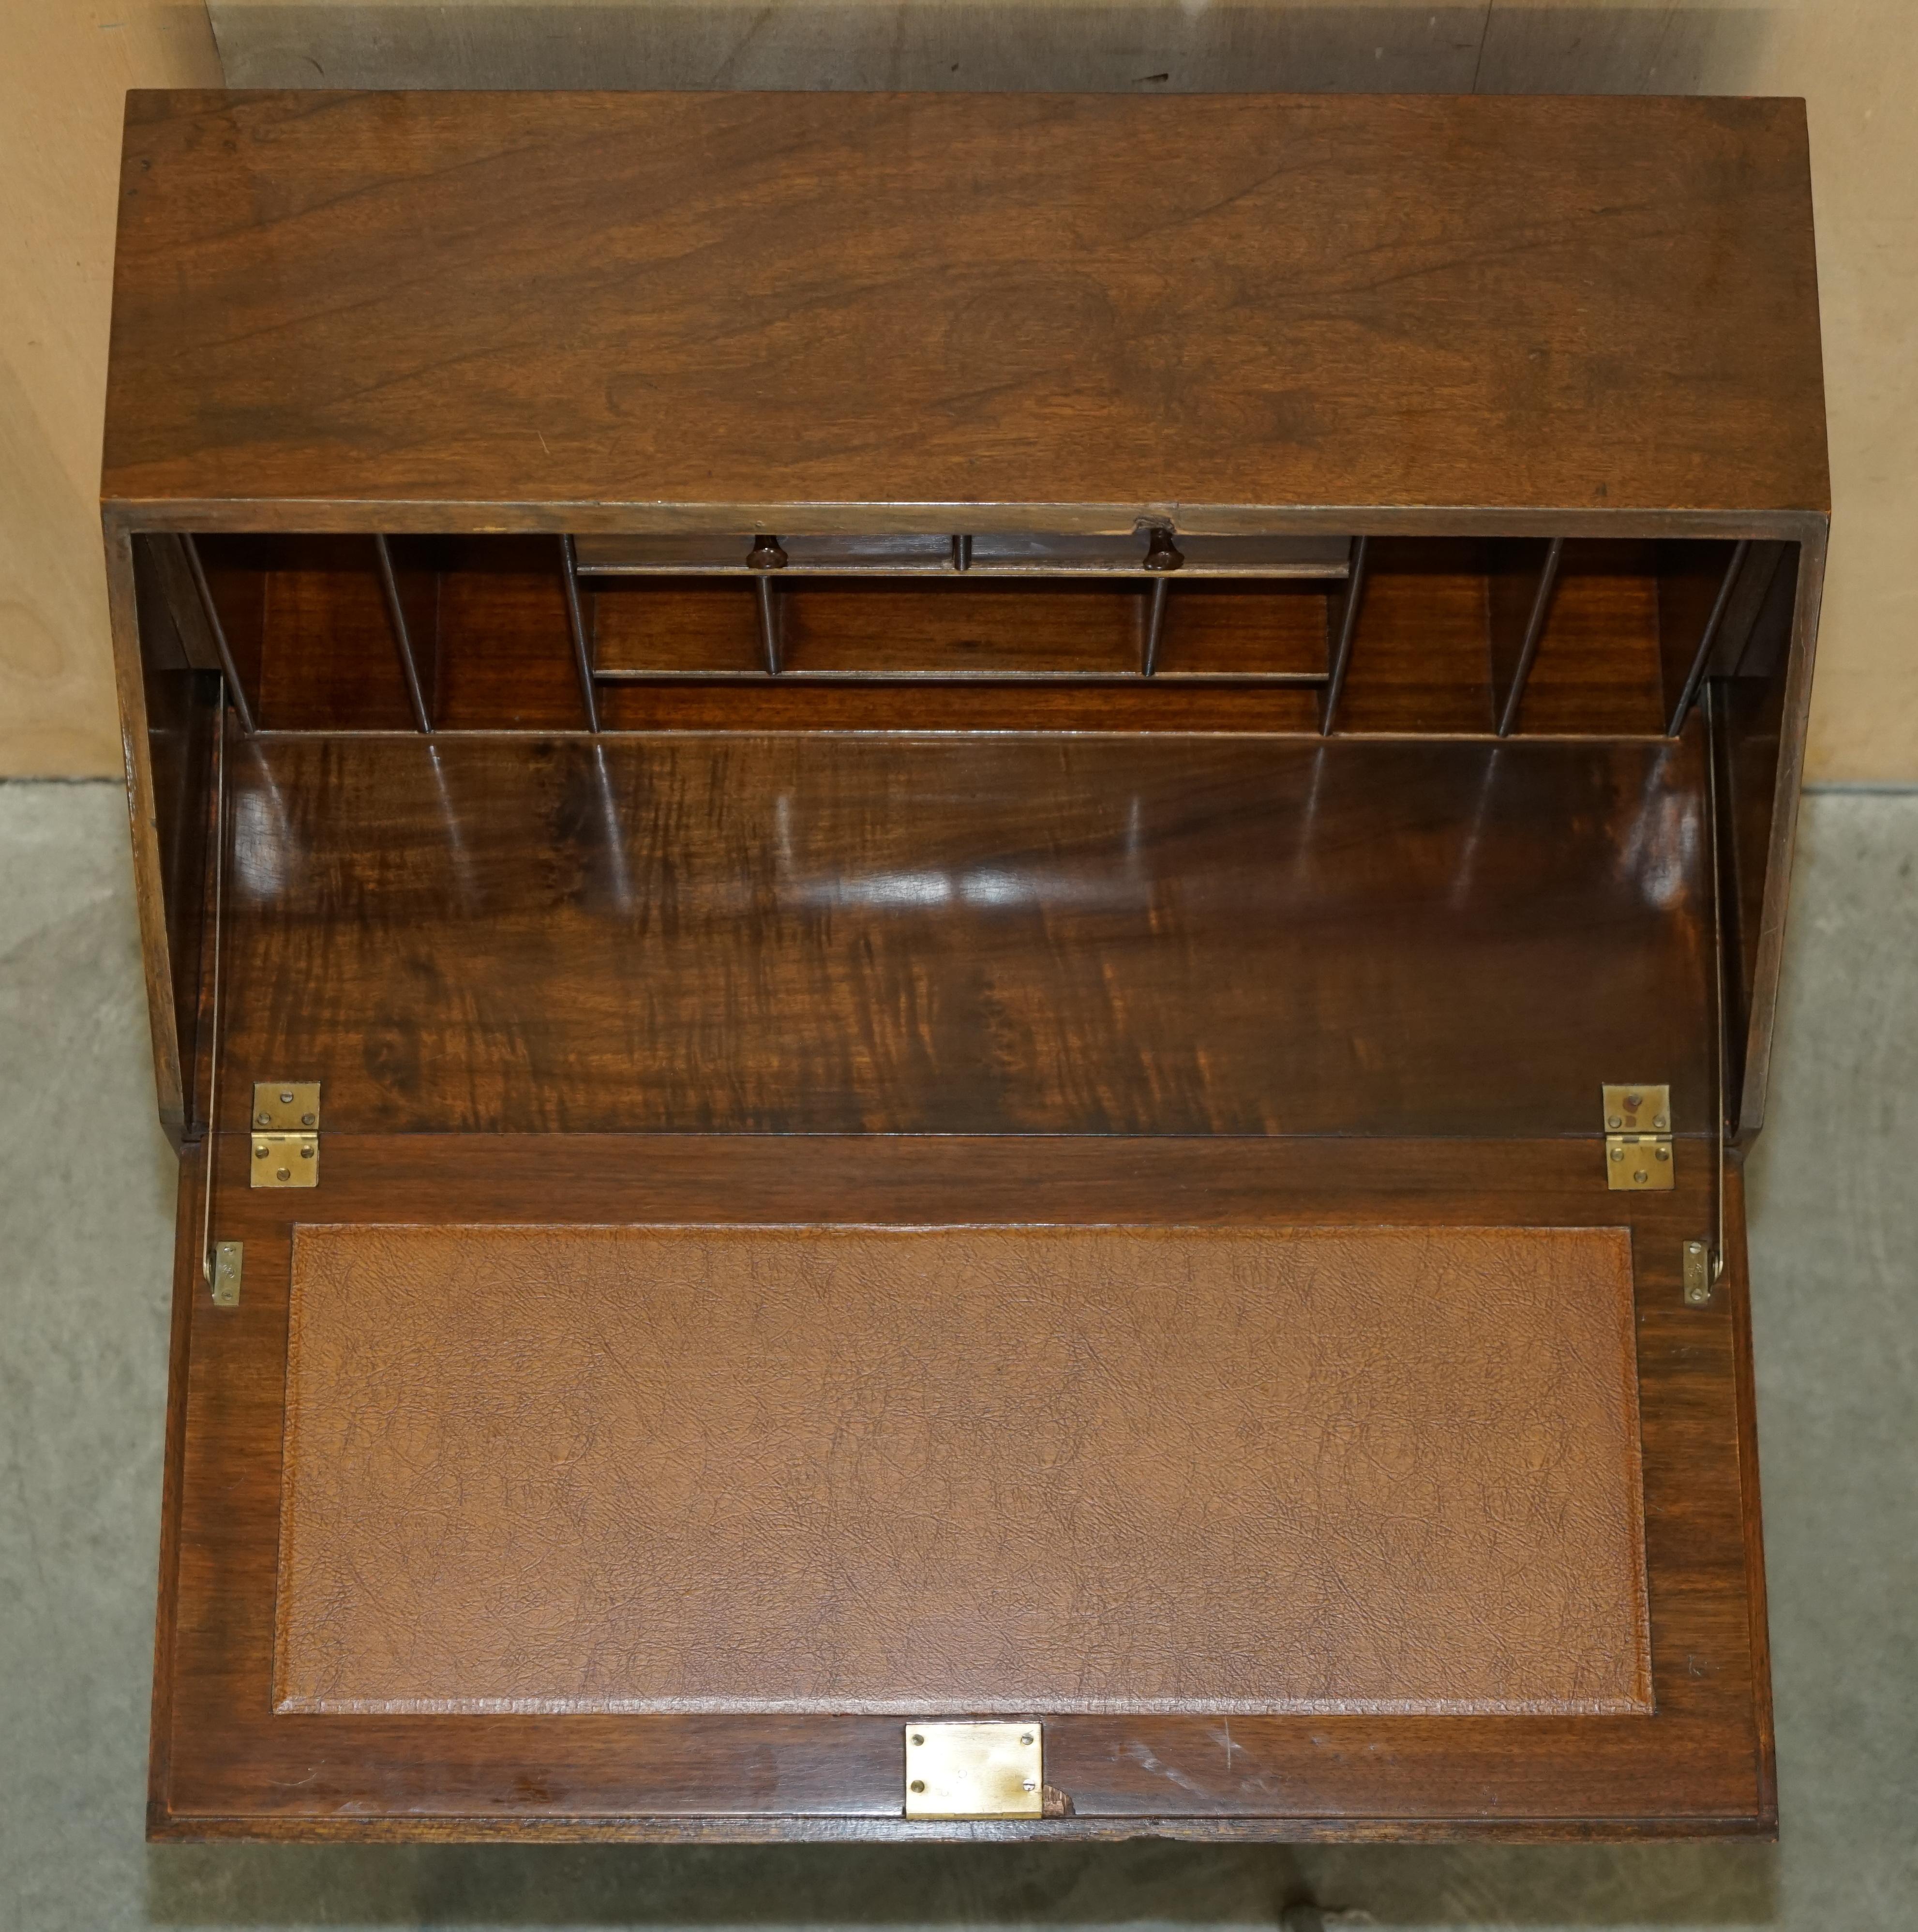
(980, 1469)
(1018, 935)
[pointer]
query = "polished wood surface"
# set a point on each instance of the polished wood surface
(647, 306)
(185, 710)
(225, 1764)
(1485, 317)
(1453, 637)
(1758, 731)
(162, 897)
(1031, 934)
(321, 644)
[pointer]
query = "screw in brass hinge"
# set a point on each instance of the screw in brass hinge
(285, 1133)
(1638, 1137)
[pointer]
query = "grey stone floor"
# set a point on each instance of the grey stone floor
(85, 1211)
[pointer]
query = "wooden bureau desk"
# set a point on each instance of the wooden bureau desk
(963, 913)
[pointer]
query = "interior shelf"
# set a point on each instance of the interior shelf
(1357, 636)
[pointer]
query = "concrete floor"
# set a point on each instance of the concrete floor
(85, 1215)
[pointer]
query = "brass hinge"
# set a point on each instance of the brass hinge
(285, 1133)
(1638, 1137)
(974, 1771)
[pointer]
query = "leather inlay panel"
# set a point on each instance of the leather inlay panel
(1016, 1469)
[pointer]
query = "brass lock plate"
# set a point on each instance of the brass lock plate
(974, 1771)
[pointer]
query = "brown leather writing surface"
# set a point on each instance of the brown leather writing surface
(1004, 1469)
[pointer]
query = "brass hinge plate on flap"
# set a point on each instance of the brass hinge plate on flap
(1701, 1272)
(286, 1134)
(1638, 1138)
(974, 1771)
(224, 1281)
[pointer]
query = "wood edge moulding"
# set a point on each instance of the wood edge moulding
(559, 517)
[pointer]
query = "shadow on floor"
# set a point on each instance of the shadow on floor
(1142, 1883)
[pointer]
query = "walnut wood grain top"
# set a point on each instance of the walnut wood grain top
(624, 310)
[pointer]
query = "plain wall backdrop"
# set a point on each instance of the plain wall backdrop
(66, 66)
